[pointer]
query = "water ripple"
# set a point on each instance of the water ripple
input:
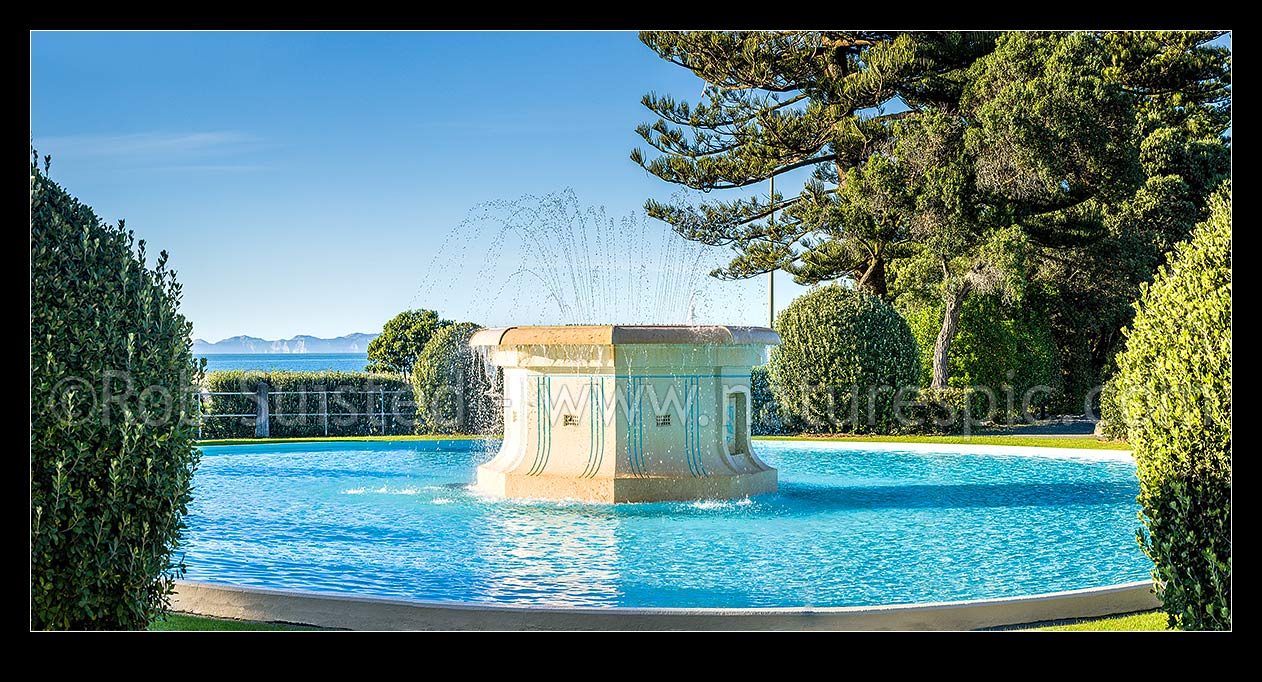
(850, 526)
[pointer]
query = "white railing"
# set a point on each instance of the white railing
(263, 414)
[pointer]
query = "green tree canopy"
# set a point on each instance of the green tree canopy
(775, 102)
(949, 163)
(1039, 143)
(401, 340)
(1180, 85)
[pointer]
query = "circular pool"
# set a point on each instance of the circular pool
(854, 524)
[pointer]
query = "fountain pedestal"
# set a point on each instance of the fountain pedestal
(626, 413)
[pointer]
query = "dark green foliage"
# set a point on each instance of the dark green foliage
(843, 359)
(1048, 133)
(1006, 350)
(1177, 78)
(112, 439)
(401, 340)
(945, 410)
(777, 101)
(766, 417)
(1201, 163)
(1112, 425)
(1045, 144)
(1180, 87)
(1063, 164)
(1174, 389)
(354, 406)
(1089, 289)
(453, 392)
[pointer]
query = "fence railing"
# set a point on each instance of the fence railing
(374, 414)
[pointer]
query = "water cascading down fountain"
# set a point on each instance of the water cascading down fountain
(614, 413)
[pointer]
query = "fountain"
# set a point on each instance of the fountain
(608, 413)
(611, 413)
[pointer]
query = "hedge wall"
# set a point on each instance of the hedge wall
(284, 409)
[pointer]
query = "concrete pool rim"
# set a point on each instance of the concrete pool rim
(352, 612)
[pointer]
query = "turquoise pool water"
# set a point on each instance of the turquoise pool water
(853, 524)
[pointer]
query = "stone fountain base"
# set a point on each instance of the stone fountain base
(608, 490)
(626, 414)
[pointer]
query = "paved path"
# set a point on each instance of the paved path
(1064, 427)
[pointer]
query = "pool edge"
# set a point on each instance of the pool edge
(380, 613)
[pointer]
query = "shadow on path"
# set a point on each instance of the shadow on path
(1060, 427)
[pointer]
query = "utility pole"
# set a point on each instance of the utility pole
(771, 276)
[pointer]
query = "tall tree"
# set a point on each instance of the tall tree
(1040, 144)
(775, 102)
(1180, 79)
(401, 341)
(1180, 83)
(1037, 144)
(1015, 154)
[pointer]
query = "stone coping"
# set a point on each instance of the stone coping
(960, 449)
(378, 613)
(613, 335)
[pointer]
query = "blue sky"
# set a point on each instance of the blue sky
(302, 182)
(316, 183)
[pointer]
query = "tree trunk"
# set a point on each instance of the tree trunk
(873, 279)
(950, 321)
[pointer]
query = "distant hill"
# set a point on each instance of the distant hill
(351, 343)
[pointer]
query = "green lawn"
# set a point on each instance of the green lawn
(1085, 443)
(179, 621)
(1136, 622)
(1153, 620)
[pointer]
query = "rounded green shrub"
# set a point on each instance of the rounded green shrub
(1174, 388)
(998, 351)
(766, 417)
(112, 420)
(455, 392)
(844, 359)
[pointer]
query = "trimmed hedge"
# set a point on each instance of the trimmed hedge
(766, 418)
(112, 436)
(843, 359)
(454, 393)
(1112, 423)
(284, 409)
(945, 410)
(1174, 388)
